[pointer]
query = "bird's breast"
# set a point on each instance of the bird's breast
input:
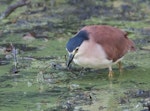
(91, 56)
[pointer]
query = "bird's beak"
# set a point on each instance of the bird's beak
(70, 59)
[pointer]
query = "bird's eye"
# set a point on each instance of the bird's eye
(77, 49)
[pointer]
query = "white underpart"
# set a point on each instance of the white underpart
(92, 55)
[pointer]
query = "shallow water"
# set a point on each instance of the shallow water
(44, 83)
(41, 81)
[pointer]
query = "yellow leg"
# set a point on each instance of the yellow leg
(120, 66)
(110, 72)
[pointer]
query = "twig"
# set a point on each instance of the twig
(13, 7)
(14, 52)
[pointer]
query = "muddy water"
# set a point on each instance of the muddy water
(40, 81)
(43, 82)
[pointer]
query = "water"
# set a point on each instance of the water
(41, 81)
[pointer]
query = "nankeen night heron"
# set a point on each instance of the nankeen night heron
(99, 46)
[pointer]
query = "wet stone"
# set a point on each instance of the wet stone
(124, 100)
(20, 46)
(56, 66)
(146, 103)
(76, 99)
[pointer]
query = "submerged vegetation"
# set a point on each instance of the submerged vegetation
(39, 79)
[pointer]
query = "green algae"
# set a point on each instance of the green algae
(44, 82)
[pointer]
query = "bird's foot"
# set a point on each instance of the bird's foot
(120, 67)
(110, 75)
(121, 71)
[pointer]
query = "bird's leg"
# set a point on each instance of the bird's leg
(120, 66)
(110, 72)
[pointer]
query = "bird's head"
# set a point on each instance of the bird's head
(71, 56)
(74, 43)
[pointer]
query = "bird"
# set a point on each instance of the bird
(98, 47)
